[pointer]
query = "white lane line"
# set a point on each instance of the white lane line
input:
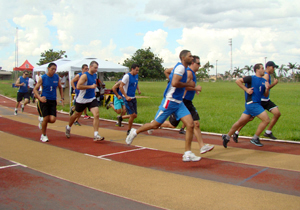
(116, 153)
(14, 165)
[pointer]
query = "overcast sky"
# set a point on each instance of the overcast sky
(114, 29)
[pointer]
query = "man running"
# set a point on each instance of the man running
(47, 100)
(172, 103)
(87, 99)
(128, 87)
(266, 104)
(22, 83)
(255, 87)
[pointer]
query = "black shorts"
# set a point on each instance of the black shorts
(48, 108)
(268, 105)
(81, 107)
(20, 96)
(189, 105)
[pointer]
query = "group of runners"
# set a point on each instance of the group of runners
(176, 104)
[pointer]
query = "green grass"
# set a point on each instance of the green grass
(219, 105)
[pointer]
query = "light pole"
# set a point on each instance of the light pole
(230, 44)
(216, 70)
(265, 60)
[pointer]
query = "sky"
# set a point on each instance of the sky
(261, 30)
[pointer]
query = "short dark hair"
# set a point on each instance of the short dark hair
(195, 57)
(24, 72)
(52, 64)
(133, 66)
(183, 53)
(94, 62)
(84, 65)
(257, 66)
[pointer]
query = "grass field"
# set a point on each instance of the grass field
(219, 105)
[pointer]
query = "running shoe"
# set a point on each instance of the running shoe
(190, 157)
(68, 132)
(270, 136)
(44, 138)
(22, 107)
(256, 142)
(182, 131)
(131, 136)
(151, 130)
(128, 131)
(86, 117)
(206, 148)
(235, 137)
(108, 105)
(225, 140)
(77, 123)
(98, 138)
(16, 112)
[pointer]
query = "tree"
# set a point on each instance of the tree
(248, 69)
(280, 70)
(292, 67)
(202, 73)
(150, 65)
(207, 66)
(51, 55)
(237, 72)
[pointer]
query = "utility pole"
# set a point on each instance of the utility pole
(216, 70)
(230, 44)
(265, 60)
(16, 49)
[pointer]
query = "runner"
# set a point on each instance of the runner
(47, 100)
(266, 104)
(87, 99)
(172, 103)
(22, 83)
(255, 87)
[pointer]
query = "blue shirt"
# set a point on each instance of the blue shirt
(24, 88)
(87, 95)
(131, 83)
(191, 93)
(264, 98)
(75, 84)
(172, 93)
(258, 84)
(49, 86)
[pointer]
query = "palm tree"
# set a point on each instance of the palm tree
(292, 67)
(237, 72)
(207, 66)
(280, 70)
(248, 68)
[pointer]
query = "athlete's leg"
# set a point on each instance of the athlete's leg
(265, 120)
(189, 123)
(276, 114)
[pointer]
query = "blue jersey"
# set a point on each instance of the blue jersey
(49, 86)
(87, 95)
(24, 88)
(118, 89)
(264, 98)
(131, 83)
(75, 84)
(172, 93)
(191, 93)
(258, 84)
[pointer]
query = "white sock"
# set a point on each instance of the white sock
(68, 127)
(187, 152)
(41, 119)
(16, 109)
(96, 133)
(237, 132)
(268, 132)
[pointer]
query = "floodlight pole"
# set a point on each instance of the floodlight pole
(216, 70)
(265, 60)
(16, 49)
(230, 44)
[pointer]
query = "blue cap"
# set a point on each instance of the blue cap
(271, 63)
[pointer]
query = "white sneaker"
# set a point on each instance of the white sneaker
(206, 148)
(22, 107)
(16, 112)
(132, 134)
(98, 138)
(190, 157)
(44, 138)
(68, 132)
(150, 131)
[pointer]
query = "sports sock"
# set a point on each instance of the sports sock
(96, 133)
(268, 132)
(237, 132)
(255, 137)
